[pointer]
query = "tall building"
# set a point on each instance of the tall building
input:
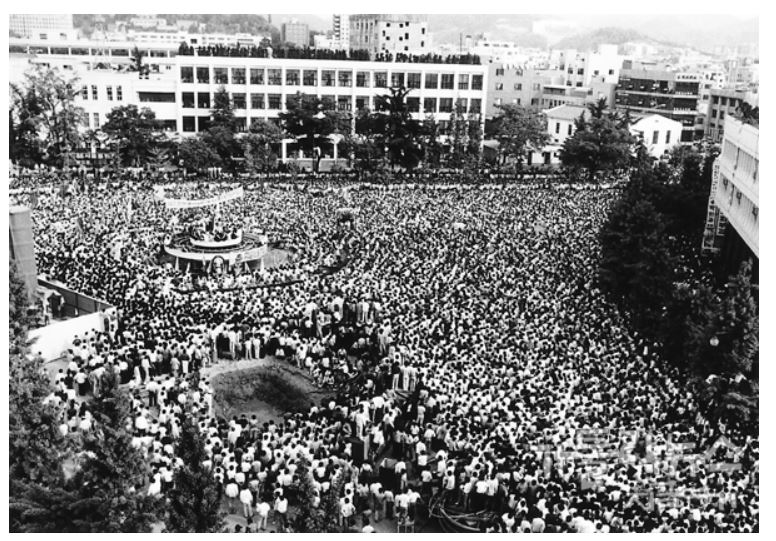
(582, 68)
(671, 94)
(390, 33)
(341, 31)
(732, 224)
(40, 26)
(513, 85)
(295, 33)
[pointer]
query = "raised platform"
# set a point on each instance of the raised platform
(216, 244)
(251, 248)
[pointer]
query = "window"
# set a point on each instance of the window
(221, 75)
(109, 92)
(292, 77)
(119, 95)
(257, 76)
(345, 78)
(476, 82)
(203, 100)
(611, 72)
(755, 211)
(499, 86)
(655, 136)
(413, 105)
(406, 35)
(429, 105)
(568, 132)
(557, 127)
(238, 76)
(446, 105)
(328, 102)
(432, 80)
(668, 136)
(238, 100)
(397, 79)
(274, 77)
(273, 101)
(579, 83)
(722, 115)
(362, 79)
(362, 102)
(156, 97)
(310, 77)
(413, 80)
(463, 81)
(85, 92)
(381, 79)
(448, 81)
(96, 118)
(189, 124)
(499, 72)
(203, 75)
(327, 78)
(187, 74)
(257, 101)
(203, 123)
(344, 103)
(518, 86)
(580, 71)
(94, 92)
(188, 100)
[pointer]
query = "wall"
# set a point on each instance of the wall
(52, 340)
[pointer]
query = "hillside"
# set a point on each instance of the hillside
(590, 40)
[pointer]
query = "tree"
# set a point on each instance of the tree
(473, 141)
(45, 101)
(310, 120)
(24, 144)
(259, 144)
(137, 133)
(194, 502)
(137, 62)
(458, 136)
(222, 113)
(432, 146)
(517, 130)
(600, 143)
(35, 446)
(402, 132)
(197, 154)
(636, 264)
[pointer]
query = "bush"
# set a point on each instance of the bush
(271, 385)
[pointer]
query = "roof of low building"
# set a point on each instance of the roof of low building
(567, 112)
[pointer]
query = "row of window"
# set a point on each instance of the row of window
(241, 100)
(108, 93)
(342, 78)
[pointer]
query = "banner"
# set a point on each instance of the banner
(195, 203)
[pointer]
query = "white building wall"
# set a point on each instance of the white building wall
(659, 133)
(738, 192)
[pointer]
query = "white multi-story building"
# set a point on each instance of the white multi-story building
(180, 88)
(42, 26)
(341, 31)
(561, 124)
(390, 34)
(735, 192)
(581, 69)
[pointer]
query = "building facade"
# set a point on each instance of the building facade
(180, 88)
(295, 33)
(658, 133)
(561, 124)
(390, 34)
(340, 31)
(671, 94)
(723, 103)
(40, 26)
(515, 85)
(732, 224)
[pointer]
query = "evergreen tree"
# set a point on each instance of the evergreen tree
(137, 133)
(194, 502)
(259, 146)
(222, 113)
(518, 129)
(402, 132)
(432, 146)
(598, 144)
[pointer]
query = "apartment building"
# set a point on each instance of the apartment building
(722, 103)
(180, 88)
(580, 69)
(509, 84)
(732, 225)
(390, 33)
(340, 31)
(671, 94)
(295, 33)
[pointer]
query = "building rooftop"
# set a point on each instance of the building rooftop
(567, 112)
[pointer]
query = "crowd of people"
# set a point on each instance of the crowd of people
(466, 338)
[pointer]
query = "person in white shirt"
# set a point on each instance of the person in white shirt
(262, 510)
(246, 497)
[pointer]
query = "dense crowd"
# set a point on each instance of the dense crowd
(479, 354)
